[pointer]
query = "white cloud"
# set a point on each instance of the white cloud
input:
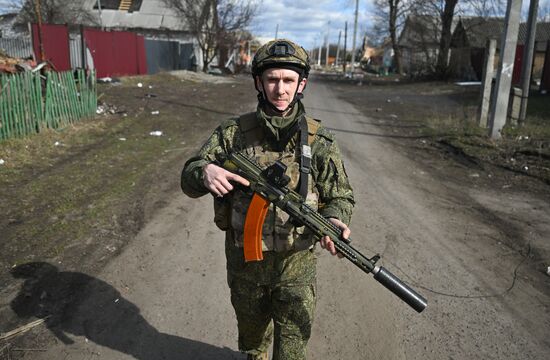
(307, 22)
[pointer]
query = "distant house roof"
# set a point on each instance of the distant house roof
(474, 32)
(138, 14)
(420, 31)
(8, 28)
(542, 35)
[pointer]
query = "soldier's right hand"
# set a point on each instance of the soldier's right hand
(217, 180)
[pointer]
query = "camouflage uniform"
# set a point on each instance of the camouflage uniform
(275, 297)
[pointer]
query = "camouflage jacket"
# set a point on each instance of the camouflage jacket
(328, 175)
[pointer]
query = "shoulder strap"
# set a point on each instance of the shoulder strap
(251, 131)
(312, 127)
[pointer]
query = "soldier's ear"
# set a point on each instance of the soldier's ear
(258, 83)
(302, 85)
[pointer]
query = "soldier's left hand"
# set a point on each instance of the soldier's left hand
(327, 243)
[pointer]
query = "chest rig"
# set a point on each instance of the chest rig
(278, 232)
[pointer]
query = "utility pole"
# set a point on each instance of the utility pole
(338, 48)
(327, 44)
(499, 107)
(345, 45)
(487, 81)
(277, 31)
(315, 51)
(354, 35)
(320, 46)
(37, 8)
(527, 61)
(100, 16)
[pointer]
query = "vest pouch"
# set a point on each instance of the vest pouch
(222, 213)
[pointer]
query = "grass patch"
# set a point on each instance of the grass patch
(81, 190)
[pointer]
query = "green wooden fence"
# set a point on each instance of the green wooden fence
(29, 104)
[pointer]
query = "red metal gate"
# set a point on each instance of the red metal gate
(116, 52)
(55, 45)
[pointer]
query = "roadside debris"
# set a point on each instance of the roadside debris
(14, 65)
(22, 329)
(156, 112)
(2, 162)
(548, 271)
(156, 133)
(139, 85)
(108, 109)
(468, 83)
(122, 139)
(108, 80)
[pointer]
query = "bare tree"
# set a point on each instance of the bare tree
(53, 12)
(391, 15)
(446, 11)
(544, 11)
(483, 8)
(445, 40)
(213, 22)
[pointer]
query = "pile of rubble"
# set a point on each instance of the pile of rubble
(14, 65)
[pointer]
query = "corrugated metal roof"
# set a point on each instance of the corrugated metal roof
(478, 30)
(422, 31)
(542, 34)
(152, 14)
(156, 7)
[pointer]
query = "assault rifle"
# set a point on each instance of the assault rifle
(270, 186)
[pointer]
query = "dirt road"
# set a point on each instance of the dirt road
(165, 295)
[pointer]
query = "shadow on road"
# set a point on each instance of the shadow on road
(81, 305)
(312, 108)
(379, 135)
(193, 106)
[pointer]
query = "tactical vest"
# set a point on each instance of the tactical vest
(278, 234)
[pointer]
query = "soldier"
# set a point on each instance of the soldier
(274, 298)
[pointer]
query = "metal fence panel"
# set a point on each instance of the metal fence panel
(161, 55)
(115, 52)
(55, 45)
(17, 47)
(75, 50)
(26, 106)
(169, 55)
(187, 57)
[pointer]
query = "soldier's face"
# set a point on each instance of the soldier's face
(280, 86)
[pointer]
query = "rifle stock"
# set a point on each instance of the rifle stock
(274, 190)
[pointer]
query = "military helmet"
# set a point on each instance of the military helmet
(281, 53)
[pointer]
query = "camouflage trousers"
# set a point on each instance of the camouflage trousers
(274, 300)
